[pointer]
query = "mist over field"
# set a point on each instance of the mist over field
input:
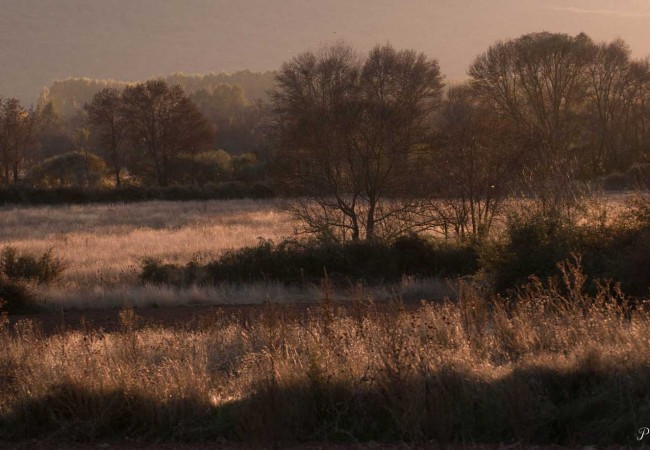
(45, 40)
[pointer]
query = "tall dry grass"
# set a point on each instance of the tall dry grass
(103, 245)
(554, 367)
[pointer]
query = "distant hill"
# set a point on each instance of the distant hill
(70, 94)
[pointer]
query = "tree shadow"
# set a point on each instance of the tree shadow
(534, 405)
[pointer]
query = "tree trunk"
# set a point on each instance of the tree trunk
(355, 228)
(370, 224)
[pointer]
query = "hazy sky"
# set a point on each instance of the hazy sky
(42, 40)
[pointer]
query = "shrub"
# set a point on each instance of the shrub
(246, 168)
(72, 169)
(207, 167)
(639, 176)
(154, 271)
(615, 182)
(15, 296)
(261, 190)
(43, 269)
(533, 245)
(362, 261)
(627, 260)
(17, 271)
(66, 195)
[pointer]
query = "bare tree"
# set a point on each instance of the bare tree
(610, 96)
(476, 165)
(17, 138)
(637, 114)
(108, 126)
(539, 82)
(164, 123)
(350, 131)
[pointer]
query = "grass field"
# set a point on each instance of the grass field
(551, 365)
(104, 244)
(553, 369)
(103, 247)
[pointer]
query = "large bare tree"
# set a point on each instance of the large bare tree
(636, 114)
(539, 82)
(476, 165)
(163, 123)
(350, 130)
(580, 106)
(17, 138)
(108, 127)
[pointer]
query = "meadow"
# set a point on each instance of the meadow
(426, 362)
(556, 367)
(103, 246)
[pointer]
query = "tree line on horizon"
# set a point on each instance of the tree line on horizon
(65, 142)
(353, 129)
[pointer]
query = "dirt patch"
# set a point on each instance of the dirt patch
(192, 317)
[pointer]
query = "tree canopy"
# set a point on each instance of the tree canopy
(163, 124)
(349, 128)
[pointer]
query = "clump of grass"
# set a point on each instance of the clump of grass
(19, 272)
(40, 269)
(553, 365)
(16, 296)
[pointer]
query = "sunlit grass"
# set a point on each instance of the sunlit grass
(103, 246)
(553, 368)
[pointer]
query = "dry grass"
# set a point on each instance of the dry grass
(103, 245)
(142, 296)
(556, 367)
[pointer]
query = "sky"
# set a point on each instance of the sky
(44, 40)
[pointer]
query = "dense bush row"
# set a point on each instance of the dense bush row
(40, 196)
(293, 261)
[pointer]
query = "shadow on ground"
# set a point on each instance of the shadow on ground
(533, 405)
